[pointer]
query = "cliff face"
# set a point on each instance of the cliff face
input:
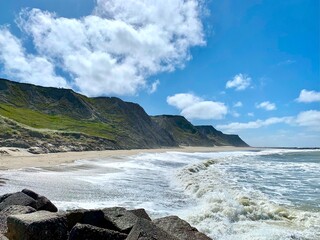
(125, 124)
(182, 131)
(220, 139)
(52, 117)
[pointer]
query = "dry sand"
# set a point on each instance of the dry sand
(15, 158)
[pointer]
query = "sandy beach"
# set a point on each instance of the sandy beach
(15, 158)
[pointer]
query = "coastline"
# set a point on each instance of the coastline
(195, 187)
(15, 158)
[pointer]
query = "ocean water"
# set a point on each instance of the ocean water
(271, 194)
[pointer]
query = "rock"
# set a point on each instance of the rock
(122, 219)
(38, 150)
(2, 237)
(18, 198)
(10, 210)
(92, 217)
(89, 232)
(20, 220)
(179, 228)
(41, 225)
(3, 152)
(146, 230)
(3, 197)
(42, 203)
(141, 213)
(30, 193)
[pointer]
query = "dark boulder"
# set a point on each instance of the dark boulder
(45, 204)
(92, 217)
(3, 197)
(146, 230)
(89, 232)
(22, 217)
(179, 228)
(141, 213)
(18, 198)
(11, 210)
(30, 193)
(121, 218)
(41, 225)
(42, 203)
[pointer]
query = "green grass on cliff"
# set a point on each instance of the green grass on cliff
(40, 120)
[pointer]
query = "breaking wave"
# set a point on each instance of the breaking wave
(272, 194)
(233, 200)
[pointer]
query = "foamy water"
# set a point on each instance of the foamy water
(273, 194)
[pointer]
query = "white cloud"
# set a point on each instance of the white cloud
(250, 114)
(236, 126)
(26, 67)
(309, 119)
(116, 49)
(183, 100)
(238, 104)
(239, 82)
(154, 86)
(308, 96)
(268, 106)
(205, 110)
(193, 107)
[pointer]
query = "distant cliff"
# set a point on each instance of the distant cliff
(53, 119)
(184, 133)
(220, 139)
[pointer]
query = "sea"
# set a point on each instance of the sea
(267, 194)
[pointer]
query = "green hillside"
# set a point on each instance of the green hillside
(38, 116)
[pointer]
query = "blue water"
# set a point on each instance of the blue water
(271, 194)
(292, 177)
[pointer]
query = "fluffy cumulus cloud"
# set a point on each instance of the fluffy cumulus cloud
(116, 48)
(308, 96)
(268, 106)
(193, 107)
(308, 119)
(183, 100)
(239, 82)
(26, 67)
(236, 126)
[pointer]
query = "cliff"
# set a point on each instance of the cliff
(54, 119)
(220, 139)
(184, 133)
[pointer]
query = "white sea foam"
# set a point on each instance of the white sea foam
(270, 194)
(231, 207)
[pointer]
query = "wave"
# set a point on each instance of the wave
(228, 209)
(228, 195)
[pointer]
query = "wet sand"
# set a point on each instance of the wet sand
(15, 158)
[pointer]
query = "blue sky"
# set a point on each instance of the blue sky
(245, 67)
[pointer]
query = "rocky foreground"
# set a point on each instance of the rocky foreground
(26, 215)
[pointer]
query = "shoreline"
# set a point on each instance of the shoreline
(15, 158)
